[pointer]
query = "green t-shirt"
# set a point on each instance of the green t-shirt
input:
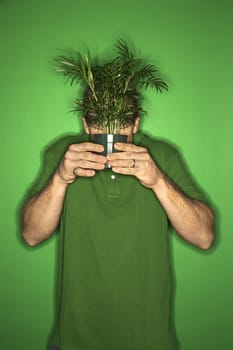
(114, 290)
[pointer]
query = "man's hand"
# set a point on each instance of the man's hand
(81, 160)
(134, 160)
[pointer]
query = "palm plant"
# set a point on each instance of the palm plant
(112, 95)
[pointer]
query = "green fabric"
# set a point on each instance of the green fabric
(114, 277)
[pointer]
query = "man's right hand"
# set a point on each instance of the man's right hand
(81, 160)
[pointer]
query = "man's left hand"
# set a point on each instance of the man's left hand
(134, 160)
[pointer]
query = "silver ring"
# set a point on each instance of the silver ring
(134, 163)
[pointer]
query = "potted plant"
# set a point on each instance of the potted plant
(112, 90)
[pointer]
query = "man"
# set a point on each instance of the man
(114, 267)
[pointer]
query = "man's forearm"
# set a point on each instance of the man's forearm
(41, 213)
(192, 219)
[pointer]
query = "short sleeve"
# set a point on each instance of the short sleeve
(171, 162)
(177, 170)
(47, 169)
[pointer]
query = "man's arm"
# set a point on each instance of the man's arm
(191, 218)
(41, 214)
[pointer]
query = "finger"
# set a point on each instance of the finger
(123, 163)
(128, 147)
(128, 155)
(74, 156)
(86, 146)
(85, 164)
(84, 172)
(124, 171)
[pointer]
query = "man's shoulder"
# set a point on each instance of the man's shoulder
(156, 146)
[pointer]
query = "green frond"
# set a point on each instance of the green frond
(155, 82)
(123, 50)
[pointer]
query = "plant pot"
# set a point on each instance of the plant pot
(108, 140)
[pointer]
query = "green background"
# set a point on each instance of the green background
(191, 41)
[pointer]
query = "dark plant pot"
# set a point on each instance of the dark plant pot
(108, 140)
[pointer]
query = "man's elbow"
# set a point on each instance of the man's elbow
(208, 234)
(207, 241)
(32, 242)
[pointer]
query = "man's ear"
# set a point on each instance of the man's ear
(86, 127)
(136, 125)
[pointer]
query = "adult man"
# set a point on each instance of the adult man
(114, 277)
